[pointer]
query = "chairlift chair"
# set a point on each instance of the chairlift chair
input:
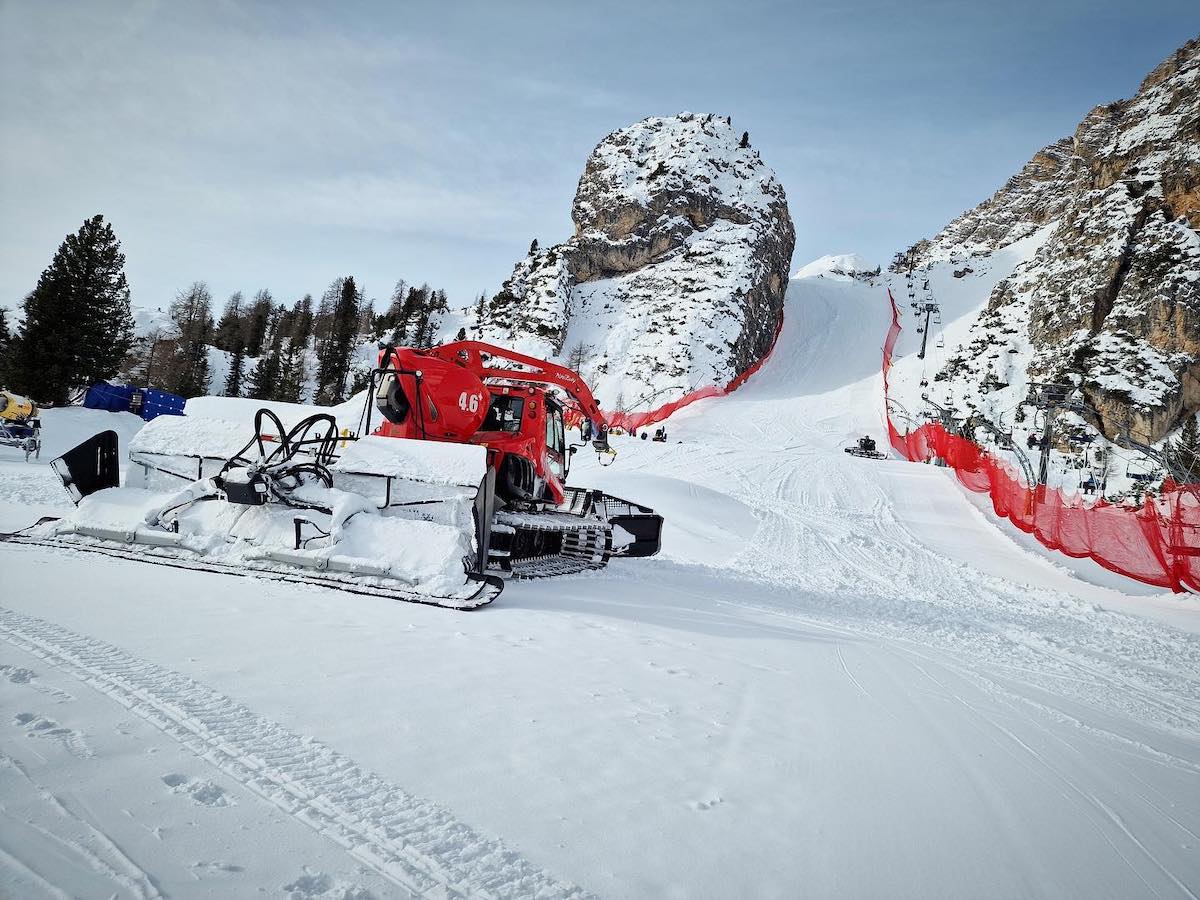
(1141, 474)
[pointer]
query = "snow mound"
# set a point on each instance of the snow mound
(838, 265)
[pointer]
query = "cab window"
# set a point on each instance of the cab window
(555, 434)
(504, 413)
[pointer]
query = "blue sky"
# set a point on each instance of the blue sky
(280, 145)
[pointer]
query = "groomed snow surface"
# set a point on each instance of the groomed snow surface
(839, 679)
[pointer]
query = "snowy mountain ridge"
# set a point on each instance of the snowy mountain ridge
(1109, 295)
(676, 273)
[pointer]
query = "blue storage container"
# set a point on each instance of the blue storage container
(145, 402)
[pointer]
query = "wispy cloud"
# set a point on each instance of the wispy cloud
(434, 140)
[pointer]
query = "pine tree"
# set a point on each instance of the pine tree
(388, 320)
(430, 320)
(257, 319)
(5, 337)
(333, 364)
(366, 321)
(323, 317)
(237, 363)
(292, 373)
(191, 313)
(302, 321)
(422, 330)
(77, 327)
(410, 312)
(745, 141)
(533, 247)
(264, 380)
(1187, 447)
(231, 330)
(461, 335)
(148, 359)
(578, 356)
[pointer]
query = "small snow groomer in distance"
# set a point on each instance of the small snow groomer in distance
(19, 424)
(865, 448)
(460, 486)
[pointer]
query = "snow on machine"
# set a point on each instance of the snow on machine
(19, 425)
(865, 448)
(460, 486)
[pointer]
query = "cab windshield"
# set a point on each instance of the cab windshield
(504, 413)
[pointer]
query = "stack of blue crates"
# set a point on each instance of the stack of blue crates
(145, 402)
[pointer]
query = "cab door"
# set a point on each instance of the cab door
(556, 442)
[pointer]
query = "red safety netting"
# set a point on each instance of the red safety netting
(1157, 542)
(633, 420)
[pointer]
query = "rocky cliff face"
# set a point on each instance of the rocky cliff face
(675, 276)
(1110, 297)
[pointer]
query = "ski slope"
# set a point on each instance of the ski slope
(839, 679)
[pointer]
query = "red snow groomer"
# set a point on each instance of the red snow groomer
(469, 392)
(464, 393)
(462, 485)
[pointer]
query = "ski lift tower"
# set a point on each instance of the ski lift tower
(946, 417)
(949, 422)
(1050, 397)
(932, 313)
(1180, 471)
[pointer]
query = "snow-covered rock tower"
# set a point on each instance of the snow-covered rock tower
(675, 277)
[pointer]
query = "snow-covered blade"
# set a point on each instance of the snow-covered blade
(385, 516)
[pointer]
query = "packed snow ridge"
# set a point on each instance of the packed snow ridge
(675, 277)
(839, 265)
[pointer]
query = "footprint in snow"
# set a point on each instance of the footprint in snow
(705, 804)
(319, 886)
(21, 675)
(202, 792)
(16, 674)
(39, 726)
(216, 868)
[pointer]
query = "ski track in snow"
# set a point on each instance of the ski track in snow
(862, 567)
(78, 837)
(411, 842)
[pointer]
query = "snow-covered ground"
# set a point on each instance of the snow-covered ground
(839, 679)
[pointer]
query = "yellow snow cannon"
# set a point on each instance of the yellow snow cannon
(15, 408)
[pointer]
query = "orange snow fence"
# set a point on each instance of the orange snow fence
(1157, 542)
(634, 420)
